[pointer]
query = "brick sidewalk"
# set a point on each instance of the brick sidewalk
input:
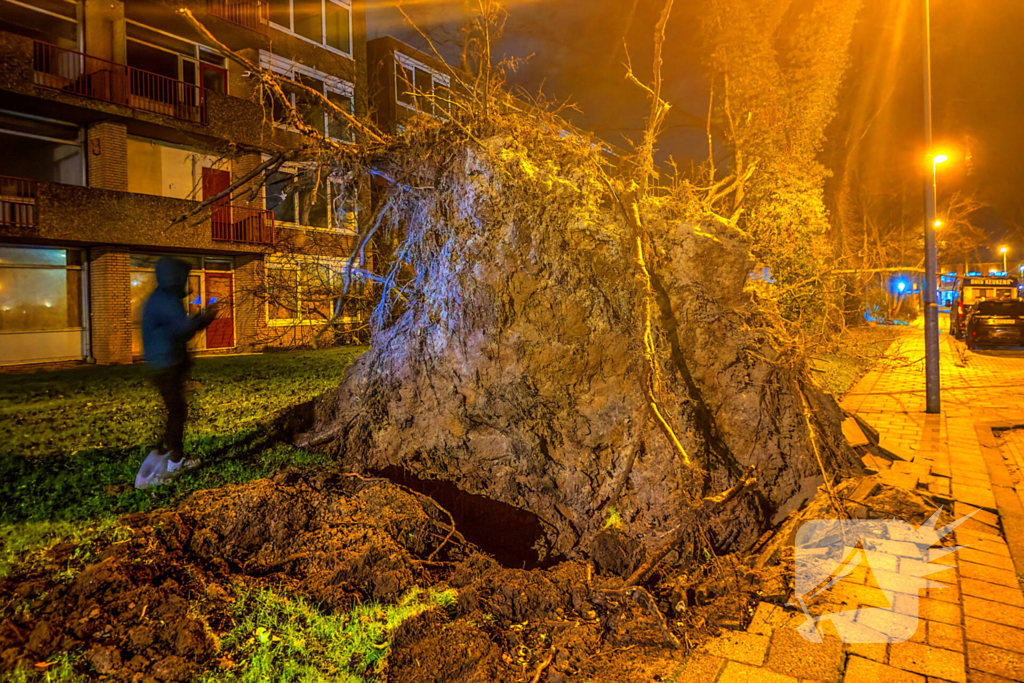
(972, 630)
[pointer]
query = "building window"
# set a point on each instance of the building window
(324, 22)
(422, 88)
(313, 111)
(50, 21)
(175, 58)
(40, 289)
(41, 150)
(307, 289)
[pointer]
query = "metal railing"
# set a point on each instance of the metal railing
(101, 79)
(230, 223)
(252, 14)
(18, 202)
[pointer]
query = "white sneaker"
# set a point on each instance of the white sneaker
(153, 471)
(184, 464)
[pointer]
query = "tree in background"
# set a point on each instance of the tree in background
(776, 67)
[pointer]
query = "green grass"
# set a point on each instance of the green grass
(860, 349)
(72, 440)
(277, 637)
(59, 669)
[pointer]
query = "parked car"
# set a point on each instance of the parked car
(970, 291)
(996, 322)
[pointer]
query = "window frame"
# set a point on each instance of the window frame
(293, 169)
(410, 65)
(290, 30)
(79, 141)
(292, 70)
(295, 263)
(81, 268)
(78, 20)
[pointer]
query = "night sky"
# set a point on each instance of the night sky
(978, 86)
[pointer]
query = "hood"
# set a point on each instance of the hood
(172, 276)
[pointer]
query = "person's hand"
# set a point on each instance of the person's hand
(208, 315)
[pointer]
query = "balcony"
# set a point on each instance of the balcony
(242, 224)
(81, 74)
(251, 14)
(18, 202)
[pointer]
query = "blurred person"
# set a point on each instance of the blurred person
(166, 330)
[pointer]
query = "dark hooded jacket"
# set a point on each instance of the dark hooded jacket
(166, 326)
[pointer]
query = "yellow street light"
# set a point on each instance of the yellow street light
(938, 224)
(1002, 250)
(940, 159)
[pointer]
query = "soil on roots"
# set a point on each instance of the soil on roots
(154, 602)
(518, 360)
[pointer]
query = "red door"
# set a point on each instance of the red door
(215, 182)
(221, 332)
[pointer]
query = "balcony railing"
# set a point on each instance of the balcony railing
(18, 202)
(101, 79)
(242, 224)
(252, 14)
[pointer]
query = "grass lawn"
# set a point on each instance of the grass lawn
(72, 440)
(858, 352)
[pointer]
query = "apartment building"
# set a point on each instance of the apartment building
(117, 119)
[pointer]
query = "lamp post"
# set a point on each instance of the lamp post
(1002, 250)
(933, 403)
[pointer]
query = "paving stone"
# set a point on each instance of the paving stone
(861, 670)
(943, 592)
(982, 572)
(991, 591)
(993, 611)
(700, 668)
(996, 635)
(945, 636)
(989, 559)
(878, 652)
(996, 661)
(930, 661)
(791, 654)
(744, 673)
(932, 610)
(739, 646)
(976, 676)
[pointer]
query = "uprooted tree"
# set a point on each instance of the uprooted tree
(552, 334)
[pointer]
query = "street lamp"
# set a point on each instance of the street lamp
(931, 256)
(938, 224)
(1002, 250)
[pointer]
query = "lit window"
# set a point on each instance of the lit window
(325, 22)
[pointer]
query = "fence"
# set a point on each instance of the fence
(252, 14)
(101, 79)
(242, 224)
(18, 202)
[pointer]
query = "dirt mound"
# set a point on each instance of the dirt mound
(512, 363)
(152, 604)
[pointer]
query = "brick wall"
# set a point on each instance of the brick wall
(108, 156)
(248, 311)
(110, 305)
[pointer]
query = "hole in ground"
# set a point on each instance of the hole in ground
(507, 533)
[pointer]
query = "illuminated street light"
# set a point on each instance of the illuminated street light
(938, 224)
(1002, 250)
(933, 402)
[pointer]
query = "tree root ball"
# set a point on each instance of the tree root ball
(513, 365)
